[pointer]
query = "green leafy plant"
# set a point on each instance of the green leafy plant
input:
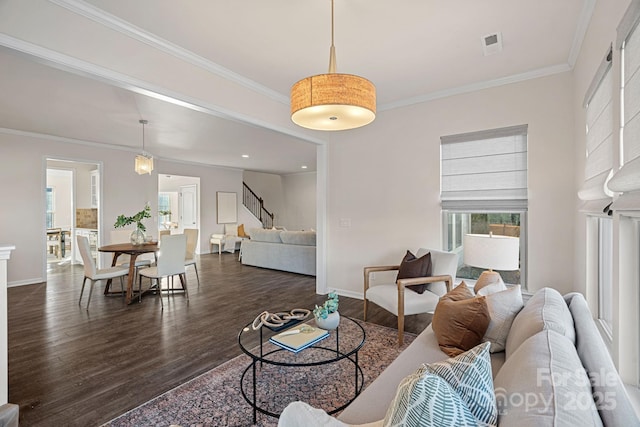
(164, 213)
(329, 306)
(123, 221)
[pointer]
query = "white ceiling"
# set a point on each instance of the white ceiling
(412, 50)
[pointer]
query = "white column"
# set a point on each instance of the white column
(5, 253)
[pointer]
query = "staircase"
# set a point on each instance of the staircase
(255, 205)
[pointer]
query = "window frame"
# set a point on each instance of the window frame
(50, 199)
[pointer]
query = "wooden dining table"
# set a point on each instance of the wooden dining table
(133, 251)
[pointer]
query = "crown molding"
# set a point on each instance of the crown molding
(111, 21)
(474, 87)
(581, 31)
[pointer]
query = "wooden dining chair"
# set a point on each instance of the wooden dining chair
(94, 274)
(170, 263)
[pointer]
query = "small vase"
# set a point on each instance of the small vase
(331, 322)
(137, 237)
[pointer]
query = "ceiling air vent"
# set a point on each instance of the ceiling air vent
(492, 43)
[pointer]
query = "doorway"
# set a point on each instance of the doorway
(72, 192)
(178, 204)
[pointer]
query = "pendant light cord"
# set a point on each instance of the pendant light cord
(332, 51)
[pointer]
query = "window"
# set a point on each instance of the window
(50, 207)
(484, 190)
(605, 274)
(164, 208)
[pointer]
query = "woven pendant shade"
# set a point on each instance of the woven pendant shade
(333, 102)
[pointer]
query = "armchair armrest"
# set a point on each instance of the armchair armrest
(424, 280)
(373, 269)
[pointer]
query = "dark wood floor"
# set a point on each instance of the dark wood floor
(73, 367)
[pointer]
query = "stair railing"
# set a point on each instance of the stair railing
(255, 205)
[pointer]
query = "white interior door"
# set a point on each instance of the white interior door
(188, 207)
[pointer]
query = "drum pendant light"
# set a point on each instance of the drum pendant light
(333, 101)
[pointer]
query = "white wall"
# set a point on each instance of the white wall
(124, 191)
(385, 180)
(300, 201)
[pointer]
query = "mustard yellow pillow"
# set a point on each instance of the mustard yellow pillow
(241, 232)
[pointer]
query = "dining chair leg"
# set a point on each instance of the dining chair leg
(82, 290)
(160, 293)
(140, 288)
(197, 276)
(183, 279)
(90, 292)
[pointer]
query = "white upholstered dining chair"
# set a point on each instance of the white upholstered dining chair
(190, 256)
(94, 274)
(170, 263)
(400, 301)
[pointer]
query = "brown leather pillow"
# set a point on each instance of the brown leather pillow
(460, 320)
(411, 267)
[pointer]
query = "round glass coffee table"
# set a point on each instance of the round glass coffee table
(328, 371)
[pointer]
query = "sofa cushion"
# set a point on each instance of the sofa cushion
(503, 308)
(543, 384)
(305, 238)
(469, 374)
(298, 414)
(426, 399)
(460, 320)
(609, 393)
(411, 267)
(262, 235)
(546, 309)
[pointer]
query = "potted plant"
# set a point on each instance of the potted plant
(137, 235)
(327, 316)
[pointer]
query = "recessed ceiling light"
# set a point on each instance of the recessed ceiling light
(304, 166)
(246, 156)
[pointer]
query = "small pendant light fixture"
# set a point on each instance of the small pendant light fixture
(144, 161)
(333, 101)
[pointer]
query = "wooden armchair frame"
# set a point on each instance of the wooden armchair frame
(402, 283)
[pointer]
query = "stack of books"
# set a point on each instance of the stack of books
(299, 338)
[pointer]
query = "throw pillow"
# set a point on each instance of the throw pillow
(411, 267)
(490, 288)
(460, 320)
(425, 399)
(241, 232)
(503, 308)
(469, 374)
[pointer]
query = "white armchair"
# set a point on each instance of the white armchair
(401, 302)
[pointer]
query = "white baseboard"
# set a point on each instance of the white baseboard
(26, 282)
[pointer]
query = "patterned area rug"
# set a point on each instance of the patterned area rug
(214, 398)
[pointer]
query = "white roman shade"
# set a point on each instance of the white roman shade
(600, 136)
(627, 179)
(485, 170)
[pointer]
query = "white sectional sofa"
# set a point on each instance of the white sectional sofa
(555, 371)
(293, 251)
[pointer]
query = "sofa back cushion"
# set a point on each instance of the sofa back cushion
(546, 309)
(608, 391)
(304, 238)
(543, 384)
(263, 235)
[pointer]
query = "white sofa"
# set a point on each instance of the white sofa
(293, 251)
(551, 341)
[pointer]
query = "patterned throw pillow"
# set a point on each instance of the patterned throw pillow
(424, 399)
(469, 374)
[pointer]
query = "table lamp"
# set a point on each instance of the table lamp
(493, 253)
